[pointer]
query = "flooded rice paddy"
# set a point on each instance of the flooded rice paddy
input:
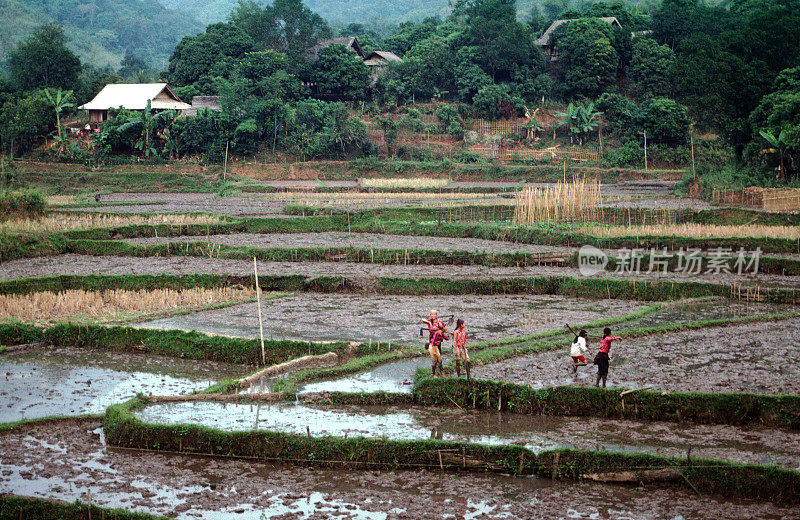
(58, 382)
(537, 433)
(66, 460)
(395, 318)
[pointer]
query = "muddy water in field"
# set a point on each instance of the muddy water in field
(360, 240)
(62, 381)
(313, 316)
(538, 433)
(391, 377)
(756, 357)
(64, 460)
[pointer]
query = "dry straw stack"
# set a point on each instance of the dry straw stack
(576, 201)
(108, 305)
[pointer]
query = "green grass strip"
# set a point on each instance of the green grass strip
(15, 508)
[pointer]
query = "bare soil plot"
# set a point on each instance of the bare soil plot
(314, 316)
(363, 273)
(63, 460)
(359, 240)
(64, 381)
(757, 357)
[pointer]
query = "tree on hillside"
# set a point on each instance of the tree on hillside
(429, 66)
(409, 34)
(650, 66)
(776, 119)
(286, 25)
(340, 74)
(587, 57)
(197, 60)
(43, 60)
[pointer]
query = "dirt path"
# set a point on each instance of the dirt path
(64, 461)
(363, 273)
(757, 357)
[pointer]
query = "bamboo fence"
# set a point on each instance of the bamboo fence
(576, 201)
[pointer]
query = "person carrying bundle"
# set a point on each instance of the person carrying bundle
(601, 359)
(578, 351)
(460, 348)
(437, 334)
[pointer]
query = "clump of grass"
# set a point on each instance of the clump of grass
(405, 182)
(579, 200)
(21, 204)
(112, 305)
(66, 221)
(691, 230)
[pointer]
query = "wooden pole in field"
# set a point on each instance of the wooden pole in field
(645, 151)
(225, 165)
(260, 320)
(694, 175)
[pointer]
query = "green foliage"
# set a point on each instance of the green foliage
(43, 60)
(340, 74)
(21, 204)
(14, 508)
(428, 66)
(650, 67)
(589, 60)
(664, 120)
(495, 102)
(23, 121)
(776, 120)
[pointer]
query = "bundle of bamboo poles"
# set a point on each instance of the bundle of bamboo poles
(575, 201)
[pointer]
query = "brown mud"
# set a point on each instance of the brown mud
(313, 316)
(65, 460)
(364, 274)
(755, 357)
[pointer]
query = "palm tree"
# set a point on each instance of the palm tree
(59, 100)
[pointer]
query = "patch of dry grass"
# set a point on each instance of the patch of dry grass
(65, 221)
(576, 201)
(405, 182)
(113, 305)
(696, 231)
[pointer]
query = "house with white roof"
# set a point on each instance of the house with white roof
(132, 96)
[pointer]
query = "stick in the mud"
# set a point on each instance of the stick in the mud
(260, 321)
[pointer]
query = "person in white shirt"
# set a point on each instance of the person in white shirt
(578, 350)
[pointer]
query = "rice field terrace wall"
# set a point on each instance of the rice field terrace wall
(16, 508)
(173, 343)
(123, 429)
(780, 411)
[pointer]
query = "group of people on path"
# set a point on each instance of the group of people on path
(437, 334)
(579, 348)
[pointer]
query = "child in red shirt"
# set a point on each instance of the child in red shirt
(601, 359)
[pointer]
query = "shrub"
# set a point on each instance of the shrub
(24, 203)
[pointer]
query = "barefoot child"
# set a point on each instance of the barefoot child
(436, 331)
(602, 360)
(460, 348)
(578, 350)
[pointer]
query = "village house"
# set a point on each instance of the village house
(132, 96)
(547, 47)
(376, 61)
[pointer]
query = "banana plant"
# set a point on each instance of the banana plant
(60, 100)
(149, 126)
(780, 145)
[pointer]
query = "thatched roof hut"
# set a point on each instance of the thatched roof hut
(132, 96)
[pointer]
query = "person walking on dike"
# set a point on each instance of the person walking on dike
(460, 348)
(436, 335)
(578, 351)
(602, 360)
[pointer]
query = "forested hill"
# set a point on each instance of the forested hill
(101, 31)
(335, 11)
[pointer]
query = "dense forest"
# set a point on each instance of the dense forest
(667, 70)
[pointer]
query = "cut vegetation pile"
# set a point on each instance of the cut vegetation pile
(21, 204)
(111, 305)
(66, 221)
(401, 182)
(696, 231)
(576, 201)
